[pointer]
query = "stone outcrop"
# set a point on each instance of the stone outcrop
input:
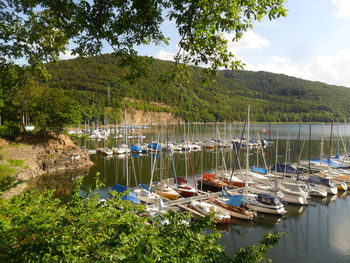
(138, 117)
(57, 153)
(62, 154)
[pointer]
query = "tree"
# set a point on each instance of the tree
(39, 30)
(55, 110)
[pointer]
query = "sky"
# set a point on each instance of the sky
(312, 42)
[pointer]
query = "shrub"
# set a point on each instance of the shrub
(7, 179)
(9, 130)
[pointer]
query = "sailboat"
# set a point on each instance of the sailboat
(146, 195)
(265, 203)
(211, 182)
(163, 189)
(181, 186)
(220, 215)
(129, 195)
(235, 204)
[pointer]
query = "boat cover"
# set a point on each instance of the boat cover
(319, 180)
(135, 148)
(154, 146)
(129, 196)
(180, 180)
(237, 200)
(281, 168)
(259, 170)
(208, 176)
(327, 161)
(144, 186)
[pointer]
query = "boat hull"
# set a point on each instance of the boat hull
(168, 195)
(235, 212)
(267, 210)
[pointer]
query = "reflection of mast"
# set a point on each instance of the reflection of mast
(307, 230)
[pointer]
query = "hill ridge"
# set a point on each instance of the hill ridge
(273, 97)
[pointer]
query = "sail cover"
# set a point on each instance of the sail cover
(129, 196)
(237, 200)
(260, 170)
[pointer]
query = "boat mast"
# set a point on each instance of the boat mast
(322, 138)
(247, 157)
(276, 155)
(331, 141)
(310, 149)
(126, 158)
(276, 152)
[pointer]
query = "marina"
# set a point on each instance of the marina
(316, 218)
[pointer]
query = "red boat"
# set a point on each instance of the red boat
(183, 188)
(210, 181)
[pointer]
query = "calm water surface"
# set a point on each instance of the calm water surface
(319, 232)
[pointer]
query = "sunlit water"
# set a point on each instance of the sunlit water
(319, 232)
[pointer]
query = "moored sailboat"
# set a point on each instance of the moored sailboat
(220, 215)
(235, 205)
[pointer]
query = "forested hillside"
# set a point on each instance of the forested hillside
(273, 97)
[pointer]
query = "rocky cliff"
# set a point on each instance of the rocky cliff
(137, 117)
(52, 154)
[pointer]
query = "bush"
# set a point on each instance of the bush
(37, 227)
(7, 179)
(10, 130)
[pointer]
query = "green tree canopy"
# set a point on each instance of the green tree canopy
(55, 110)
(39, 30)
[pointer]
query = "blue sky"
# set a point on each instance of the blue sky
(312, 42)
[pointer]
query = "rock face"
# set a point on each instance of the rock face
(140, 117)
(58, 153)
(62, 154)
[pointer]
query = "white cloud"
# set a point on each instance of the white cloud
(165, 55)
(67, 55)
(250, 40)
(278, 59)
(343, 8)
(333, 69)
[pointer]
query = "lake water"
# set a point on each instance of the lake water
(319, 232)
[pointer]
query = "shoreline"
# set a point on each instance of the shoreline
(42, 156)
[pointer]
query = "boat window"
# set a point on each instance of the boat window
(277, 201)
(266, 200)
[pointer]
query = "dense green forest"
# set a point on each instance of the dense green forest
(273, 97)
